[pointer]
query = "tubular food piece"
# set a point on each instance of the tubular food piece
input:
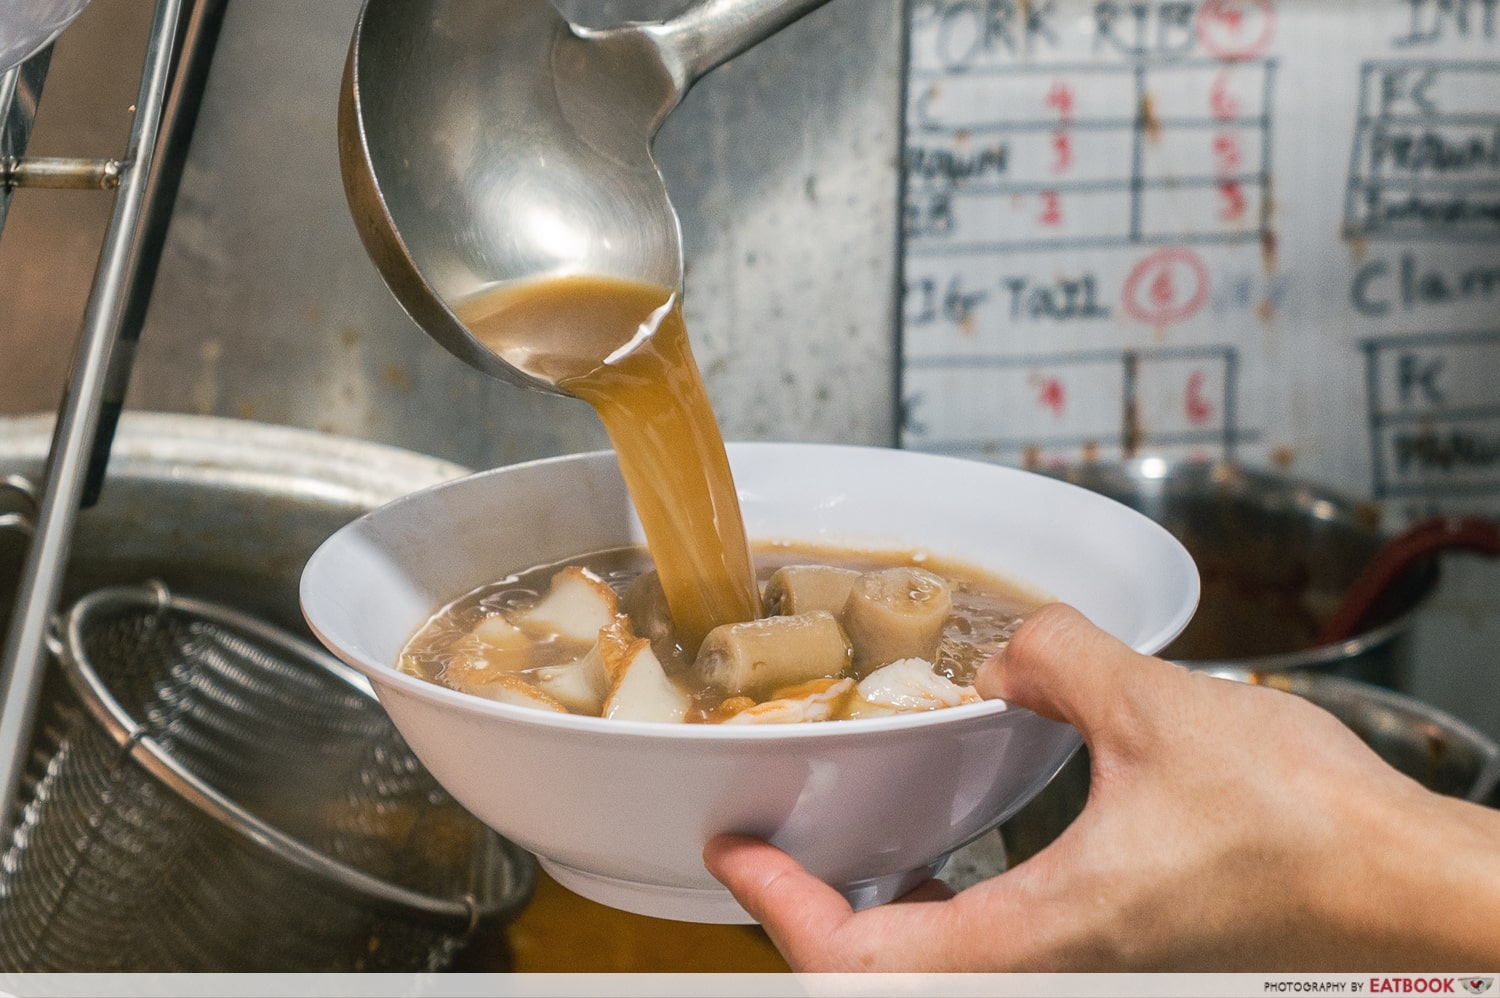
(821, 701)
(805, 588)
(896, 613)
(641, 690)
(761, 655)
(578, 604)
(911, 684)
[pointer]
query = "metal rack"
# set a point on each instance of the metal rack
(145, 180)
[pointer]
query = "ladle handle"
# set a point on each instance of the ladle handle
(716, 31)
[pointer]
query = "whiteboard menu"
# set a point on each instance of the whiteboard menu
(1247, 229)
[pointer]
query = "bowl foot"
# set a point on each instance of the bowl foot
(712, 905)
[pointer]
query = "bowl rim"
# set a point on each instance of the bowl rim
(383, 675)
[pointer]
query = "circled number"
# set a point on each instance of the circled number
(1167, 287)
(1236, 29)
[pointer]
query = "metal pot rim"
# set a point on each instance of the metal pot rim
(245, 454)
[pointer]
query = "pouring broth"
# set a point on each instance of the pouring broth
(623, 348)
(678, 633)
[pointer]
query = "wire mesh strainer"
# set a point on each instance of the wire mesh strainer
(207, 793)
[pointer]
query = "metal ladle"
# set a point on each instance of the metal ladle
(485, 144)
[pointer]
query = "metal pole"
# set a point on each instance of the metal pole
(195, 46)
(24, 662)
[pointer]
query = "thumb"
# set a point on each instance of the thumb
(1063, 667)
(798, 911)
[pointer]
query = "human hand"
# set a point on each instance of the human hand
(1228, 827)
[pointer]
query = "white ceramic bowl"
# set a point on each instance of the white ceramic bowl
(620, 811)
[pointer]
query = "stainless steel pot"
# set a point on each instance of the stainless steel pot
(1276, 556)
(270, 818)
(225, 509)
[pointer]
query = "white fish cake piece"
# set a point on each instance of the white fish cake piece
(492, 647)
(573, 684)
(494, 631)
(820, 700)
(583, 685)
(641, 690)
(493, 644)
(908, 684)
(576, 606)
(511, 688)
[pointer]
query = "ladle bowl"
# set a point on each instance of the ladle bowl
(490, 144)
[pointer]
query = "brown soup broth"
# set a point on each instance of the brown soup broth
(986, 610)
